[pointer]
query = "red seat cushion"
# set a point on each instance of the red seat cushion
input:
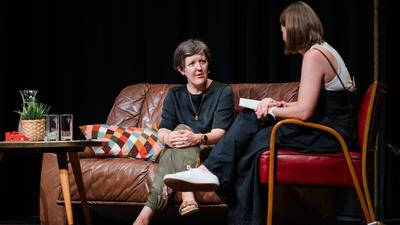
(310, 169)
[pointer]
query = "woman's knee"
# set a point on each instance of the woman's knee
(183, 127)
(245, 119)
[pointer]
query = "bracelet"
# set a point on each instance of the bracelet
(271, 112)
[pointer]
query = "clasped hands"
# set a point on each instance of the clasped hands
(265, 104)
(181, 139)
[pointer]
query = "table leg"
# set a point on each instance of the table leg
(64, 180)
(76, 168)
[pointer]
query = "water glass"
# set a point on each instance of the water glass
(66, 122)
(52, 127)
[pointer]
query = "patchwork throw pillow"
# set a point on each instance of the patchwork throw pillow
(141, 143)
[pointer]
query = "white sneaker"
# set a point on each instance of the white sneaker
(192, 180)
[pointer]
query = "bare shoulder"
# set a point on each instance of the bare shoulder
(313, 61)
(313, 56)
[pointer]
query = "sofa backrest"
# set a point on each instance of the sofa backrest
(140, 105)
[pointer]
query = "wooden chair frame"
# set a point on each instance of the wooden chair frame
(363, 194)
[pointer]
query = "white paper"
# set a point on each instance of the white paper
(248, 103)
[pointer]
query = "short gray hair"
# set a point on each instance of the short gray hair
(188, 48)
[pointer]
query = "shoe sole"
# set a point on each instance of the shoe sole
(189, 211)
(188, 186)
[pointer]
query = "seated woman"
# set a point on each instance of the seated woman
(193, 114)
(325, 86)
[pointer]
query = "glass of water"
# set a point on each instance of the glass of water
(66, 128)
(52, 127)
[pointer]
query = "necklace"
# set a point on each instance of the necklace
(196, 117)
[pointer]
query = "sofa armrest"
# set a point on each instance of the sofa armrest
(87, 153)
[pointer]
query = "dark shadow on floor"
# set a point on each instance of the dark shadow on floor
(170, 215)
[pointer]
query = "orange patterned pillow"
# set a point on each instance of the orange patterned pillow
(140, 143)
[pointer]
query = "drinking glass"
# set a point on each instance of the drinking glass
(52, 127)
(66, 127)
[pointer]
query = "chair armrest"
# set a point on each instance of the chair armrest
(330, 130)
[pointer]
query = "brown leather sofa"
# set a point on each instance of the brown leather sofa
(112, 182)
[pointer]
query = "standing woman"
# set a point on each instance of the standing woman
(194, 114)
(325, 87)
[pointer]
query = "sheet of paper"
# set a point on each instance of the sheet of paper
(248, 103)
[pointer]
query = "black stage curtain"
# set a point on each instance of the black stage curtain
(389, 206)
(80, 54)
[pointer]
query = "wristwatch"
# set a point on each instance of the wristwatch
(204, 139)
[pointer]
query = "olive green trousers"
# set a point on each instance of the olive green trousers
(171, 161)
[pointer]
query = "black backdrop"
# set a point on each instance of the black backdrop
(80, 54)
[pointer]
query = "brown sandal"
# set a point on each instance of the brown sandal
(188, 207)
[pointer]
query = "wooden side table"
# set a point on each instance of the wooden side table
(61, 148)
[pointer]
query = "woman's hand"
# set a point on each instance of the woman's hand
(262, 107)
(182, 139)
(281, 104)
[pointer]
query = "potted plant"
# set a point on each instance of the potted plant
(32, 120)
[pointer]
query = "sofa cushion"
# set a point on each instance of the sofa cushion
(140, 143)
